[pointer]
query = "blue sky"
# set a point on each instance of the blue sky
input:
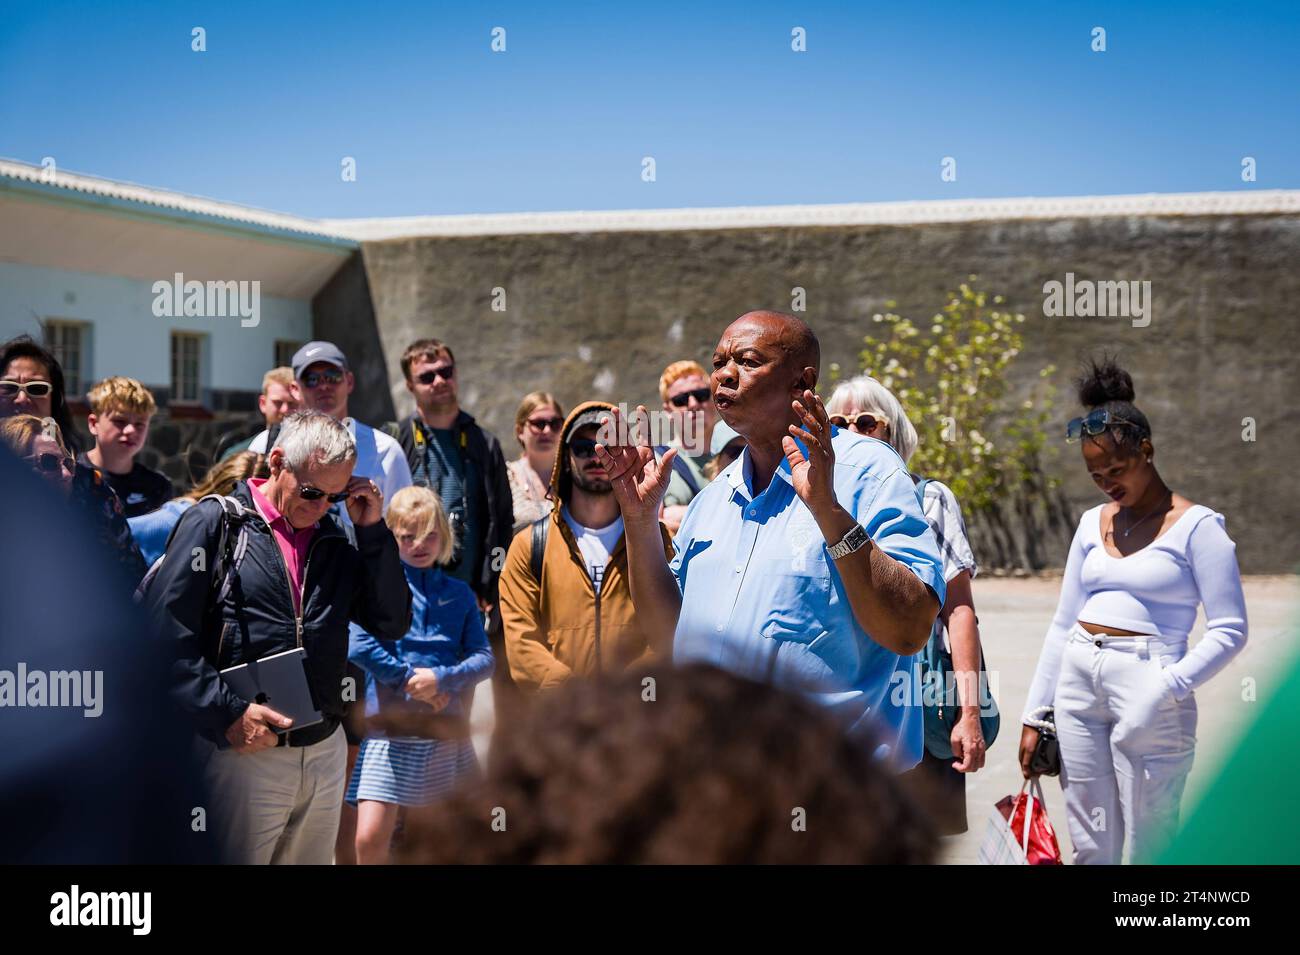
(438, 123)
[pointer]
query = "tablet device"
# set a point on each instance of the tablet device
(278, 681)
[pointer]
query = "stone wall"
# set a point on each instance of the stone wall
(598, 315)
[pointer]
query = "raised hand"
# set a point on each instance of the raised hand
(639, 481)
(812, 474)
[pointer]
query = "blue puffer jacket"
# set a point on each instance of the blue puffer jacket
(446, 636)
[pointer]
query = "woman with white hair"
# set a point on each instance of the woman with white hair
(864, 406)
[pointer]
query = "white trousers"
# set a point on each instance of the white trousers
(277, 806)
(1126, 745)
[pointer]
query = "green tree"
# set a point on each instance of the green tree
(951, 374)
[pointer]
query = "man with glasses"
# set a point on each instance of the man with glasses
(684, 390)
(449, 452)
(276, 791)
(566, 599)
(322, 382)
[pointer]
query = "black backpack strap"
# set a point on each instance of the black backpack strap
(680, 468)
(541, 528)
(272, 436)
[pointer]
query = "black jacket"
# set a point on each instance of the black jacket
(341, 582)
(483, 450)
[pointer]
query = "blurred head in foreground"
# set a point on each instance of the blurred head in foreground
(686, 765)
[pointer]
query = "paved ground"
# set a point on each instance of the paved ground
(1014, 616)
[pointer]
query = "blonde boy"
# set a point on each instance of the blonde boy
(120, 411)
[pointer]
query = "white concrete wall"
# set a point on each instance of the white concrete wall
(126, 337)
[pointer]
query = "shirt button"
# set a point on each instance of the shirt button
(1098, 642)
(753, 513)
(739, 568)
(718, 628)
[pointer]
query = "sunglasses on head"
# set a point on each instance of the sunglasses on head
(863, 422)
(314, 378)
(427, 377)
(309, 493)
(542, 424)
(701, 395)
(1091, 424)
(582, 448)
(49, 462)
(33, 389)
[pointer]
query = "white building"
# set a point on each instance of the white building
(80, 259)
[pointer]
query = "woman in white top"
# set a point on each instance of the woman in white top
(1115, 664)
(537, 429)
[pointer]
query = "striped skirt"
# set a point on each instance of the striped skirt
(411, 772)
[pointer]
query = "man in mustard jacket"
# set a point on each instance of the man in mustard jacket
(566, 604)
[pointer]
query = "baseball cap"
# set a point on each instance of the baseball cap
(723, 435)
(313, 352)
(591, 416)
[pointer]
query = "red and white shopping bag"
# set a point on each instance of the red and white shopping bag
(1008, 841)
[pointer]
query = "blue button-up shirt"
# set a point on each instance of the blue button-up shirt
(762, 598)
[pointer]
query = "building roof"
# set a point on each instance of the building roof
(343, 235)
(1244, 202)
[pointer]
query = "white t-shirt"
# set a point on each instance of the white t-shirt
(596, 544)
(379, 458)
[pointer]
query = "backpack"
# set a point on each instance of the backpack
(230, 551)
(541, 528)
(941, 714)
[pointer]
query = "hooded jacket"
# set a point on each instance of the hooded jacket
(559, 626)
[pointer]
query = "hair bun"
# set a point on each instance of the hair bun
(1104, 381)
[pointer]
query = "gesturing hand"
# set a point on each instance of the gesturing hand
(812, 474)
(639, 481)
(365, 502)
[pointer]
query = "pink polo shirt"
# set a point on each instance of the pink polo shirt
(293, 543)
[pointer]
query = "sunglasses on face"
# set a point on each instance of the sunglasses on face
(863, 423)
(49, 462)
(1091, 424)
(701, 395)
(582, 448)
(309, 493)
(428, 377)
(542, 424)
(314, 378)
(33, 389)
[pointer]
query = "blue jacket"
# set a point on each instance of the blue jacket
(446, 635)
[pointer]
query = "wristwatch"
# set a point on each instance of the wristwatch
(855, 539)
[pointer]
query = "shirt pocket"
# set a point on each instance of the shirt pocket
(793, 594)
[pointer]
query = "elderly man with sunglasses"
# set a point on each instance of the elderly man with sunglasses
(276, 790)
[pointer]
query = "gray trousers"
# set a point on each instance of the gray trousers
(277, 806)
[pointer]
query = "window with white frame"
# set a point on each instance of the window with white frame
(187, 368)
(70, 344)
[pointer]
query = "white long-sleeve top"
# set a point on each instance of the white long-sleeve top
(1155, 590)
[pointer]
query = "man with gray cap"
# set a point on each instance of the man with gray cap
(322, 381)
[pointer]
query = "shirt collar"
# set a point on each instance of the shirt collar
(267, 509)
(741, 476)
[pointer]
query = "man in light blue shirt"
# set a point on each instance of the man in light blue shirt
(807, 563)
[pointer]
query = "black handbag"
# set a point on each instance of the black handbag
(1046, 757)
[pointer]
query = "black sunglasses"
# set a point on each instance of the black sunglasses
(701, 395)
(1091, 424)
(427, 377)
(582, 448)
(50, 462)
(542, 424)
(314, 378)
(863, 422)
(309, 493)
